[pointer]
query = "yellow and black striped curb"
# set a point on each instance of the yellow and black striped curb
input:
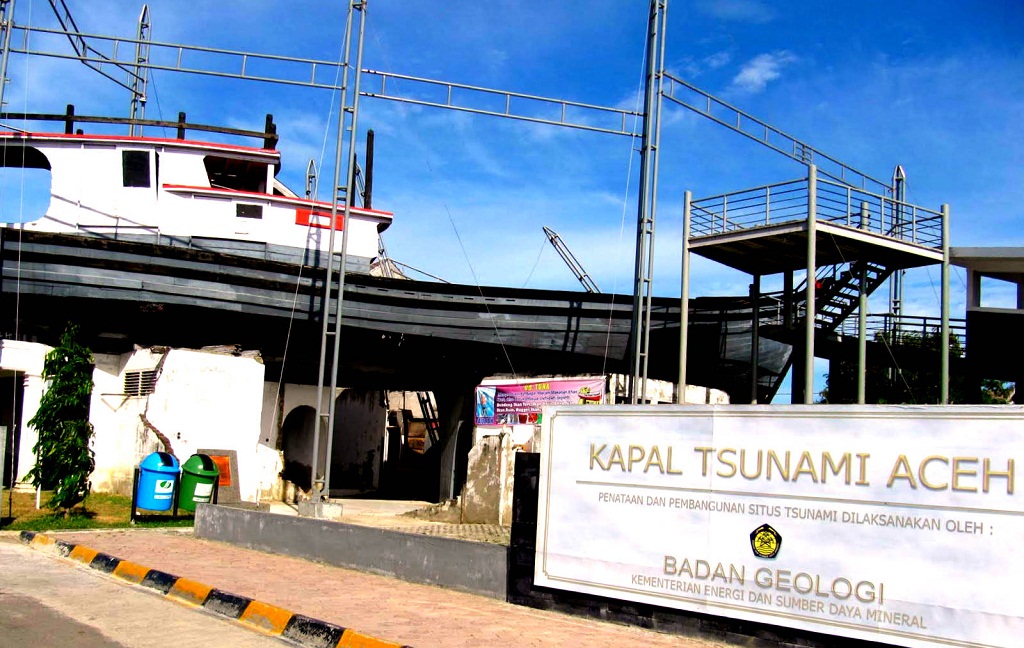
(266, 618)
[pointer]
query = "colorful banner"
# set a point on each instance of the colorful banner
(892, 524)
(522, 403)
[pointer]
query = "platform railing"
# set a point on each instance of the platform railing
(841, 204)
(908, 330)
(837, 204)
(748, 208)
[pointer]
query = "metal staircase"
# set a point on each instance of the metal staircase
(837, 292)
(837, 296)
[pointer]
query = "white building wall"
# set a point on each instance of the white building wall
(120, 440)
(200, 400)
(211, 401)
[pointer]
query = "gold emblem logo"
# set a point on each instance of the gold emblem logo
(765, 541)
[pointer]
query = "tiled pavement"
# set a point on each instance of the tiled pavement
(389, 610)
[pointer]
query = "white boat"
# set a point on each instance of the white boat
(159, 188)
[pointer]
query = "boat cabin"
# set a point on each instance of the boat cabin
(126, 187)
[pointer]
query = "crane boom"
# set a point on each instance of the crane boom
(570, 260)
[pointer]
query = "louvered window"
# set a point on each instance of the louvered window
(139, 383)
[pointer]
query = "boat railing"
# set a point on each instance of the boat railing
(268, 135)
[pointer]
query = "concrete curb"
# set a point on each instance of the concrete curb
(256, 615)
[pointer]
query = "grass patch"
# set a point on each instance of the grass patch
(18, 512)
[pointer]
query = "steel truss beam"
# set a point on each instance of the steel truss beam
(320, 74)
(707, 105)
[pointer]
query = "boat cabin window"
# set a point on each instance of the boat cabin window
(135, 168)
(24, 183)
(240, 175)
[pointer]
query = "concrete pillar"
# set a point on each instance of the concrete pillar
(684, 298)
(812, 265)
(755, 335)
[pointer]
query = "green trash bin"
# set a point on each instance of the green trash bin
(199, 477)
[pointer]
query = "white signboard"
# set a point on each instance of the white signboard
(893, 524)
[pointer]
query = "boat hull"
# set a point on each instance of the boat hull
(201, 292)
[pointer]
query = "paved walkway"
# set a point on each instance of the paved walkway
(47, 602)
(381, 607)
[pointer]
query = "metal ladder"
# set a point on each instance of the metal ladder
(429, 413)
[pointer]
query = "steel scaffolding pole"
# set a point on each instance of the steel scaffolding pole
(6, 26)
(862, 323)
(944, 345)
(350, 173)
(347, 121)
(647, 203)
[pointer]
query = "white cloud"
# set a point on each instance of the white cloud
(717, 60)
(693, 68)
(762, 69)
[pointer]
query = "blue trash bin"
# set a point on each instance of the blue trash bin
(158, 474)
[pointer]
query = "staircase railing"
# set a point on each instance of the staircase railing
(837, 291)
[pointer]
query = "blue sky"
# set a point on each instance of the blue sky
(937, 86)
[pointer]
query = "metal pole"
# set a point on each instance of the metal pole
(642, 277)
(944, 346)
(368, 179)
(350, 183)
(6, 22)
(787, 300)
(862, 326)
(899, 194)
(684, 298)
(317, 484)
(812, 252)
(654, 197)
(755, 335)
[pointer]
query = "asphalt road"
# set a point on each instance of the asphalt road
(45, 602)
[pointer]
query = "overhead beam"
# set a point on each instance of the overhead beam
(690, 96)
(321, 74)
